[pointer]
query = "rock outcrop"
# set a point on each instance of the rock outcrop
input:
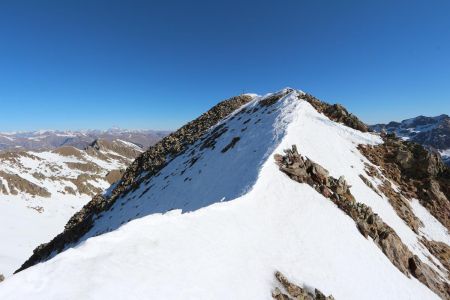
(291, 291)
(304, 170)
(336, 112)
(420, 174)
(441, 251)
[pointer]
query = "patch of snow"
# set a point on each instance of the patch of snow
(445, 153)
(134, 146)
(433, 229)
(23, 228)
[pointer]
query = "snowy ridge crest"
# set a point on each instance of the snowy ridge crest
(208, 210)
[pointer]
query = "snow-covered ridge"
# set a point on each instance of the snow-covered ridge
(220, 218)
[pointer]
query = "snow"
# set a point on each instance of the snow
(134, 146)
(445, 153)
(24, 228)
(7, 137)
(220, 228)
(433, 229)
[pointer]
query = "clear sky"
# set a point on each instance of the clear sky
(157, 64)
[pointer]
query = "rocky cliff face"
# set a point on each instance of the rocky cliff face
(431, 132)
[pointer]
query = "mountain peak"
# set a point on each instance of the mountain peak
(257, 186)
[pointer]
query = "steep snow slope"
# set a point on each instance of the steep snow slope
(40, 191)
(230, 218)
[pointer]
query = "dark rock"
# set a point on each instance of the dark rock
(231, 144)
(336, 112)
(278, 295)
(268, 101)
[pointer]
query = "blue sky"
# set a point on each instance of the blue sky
(157, 64)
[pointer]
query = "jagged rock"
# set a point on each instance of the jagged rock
(336, 112)
(341, 187)
(367, 222)
(320, 174)
(2, 277)
(427, 276)
(363, 228)
(439, 250)
(295, 292)
(369, 184)
(278, 295)
(420, 174)
(268, 101)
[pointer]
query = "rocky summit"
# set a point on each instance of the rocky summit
(277, 196)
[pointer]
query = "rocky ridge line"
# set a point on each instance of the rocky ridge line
(156, 157)
(304, 170)
(336, 113)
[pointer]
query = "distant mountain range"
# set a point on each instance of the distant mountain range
(431, 132)
(52, 139)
